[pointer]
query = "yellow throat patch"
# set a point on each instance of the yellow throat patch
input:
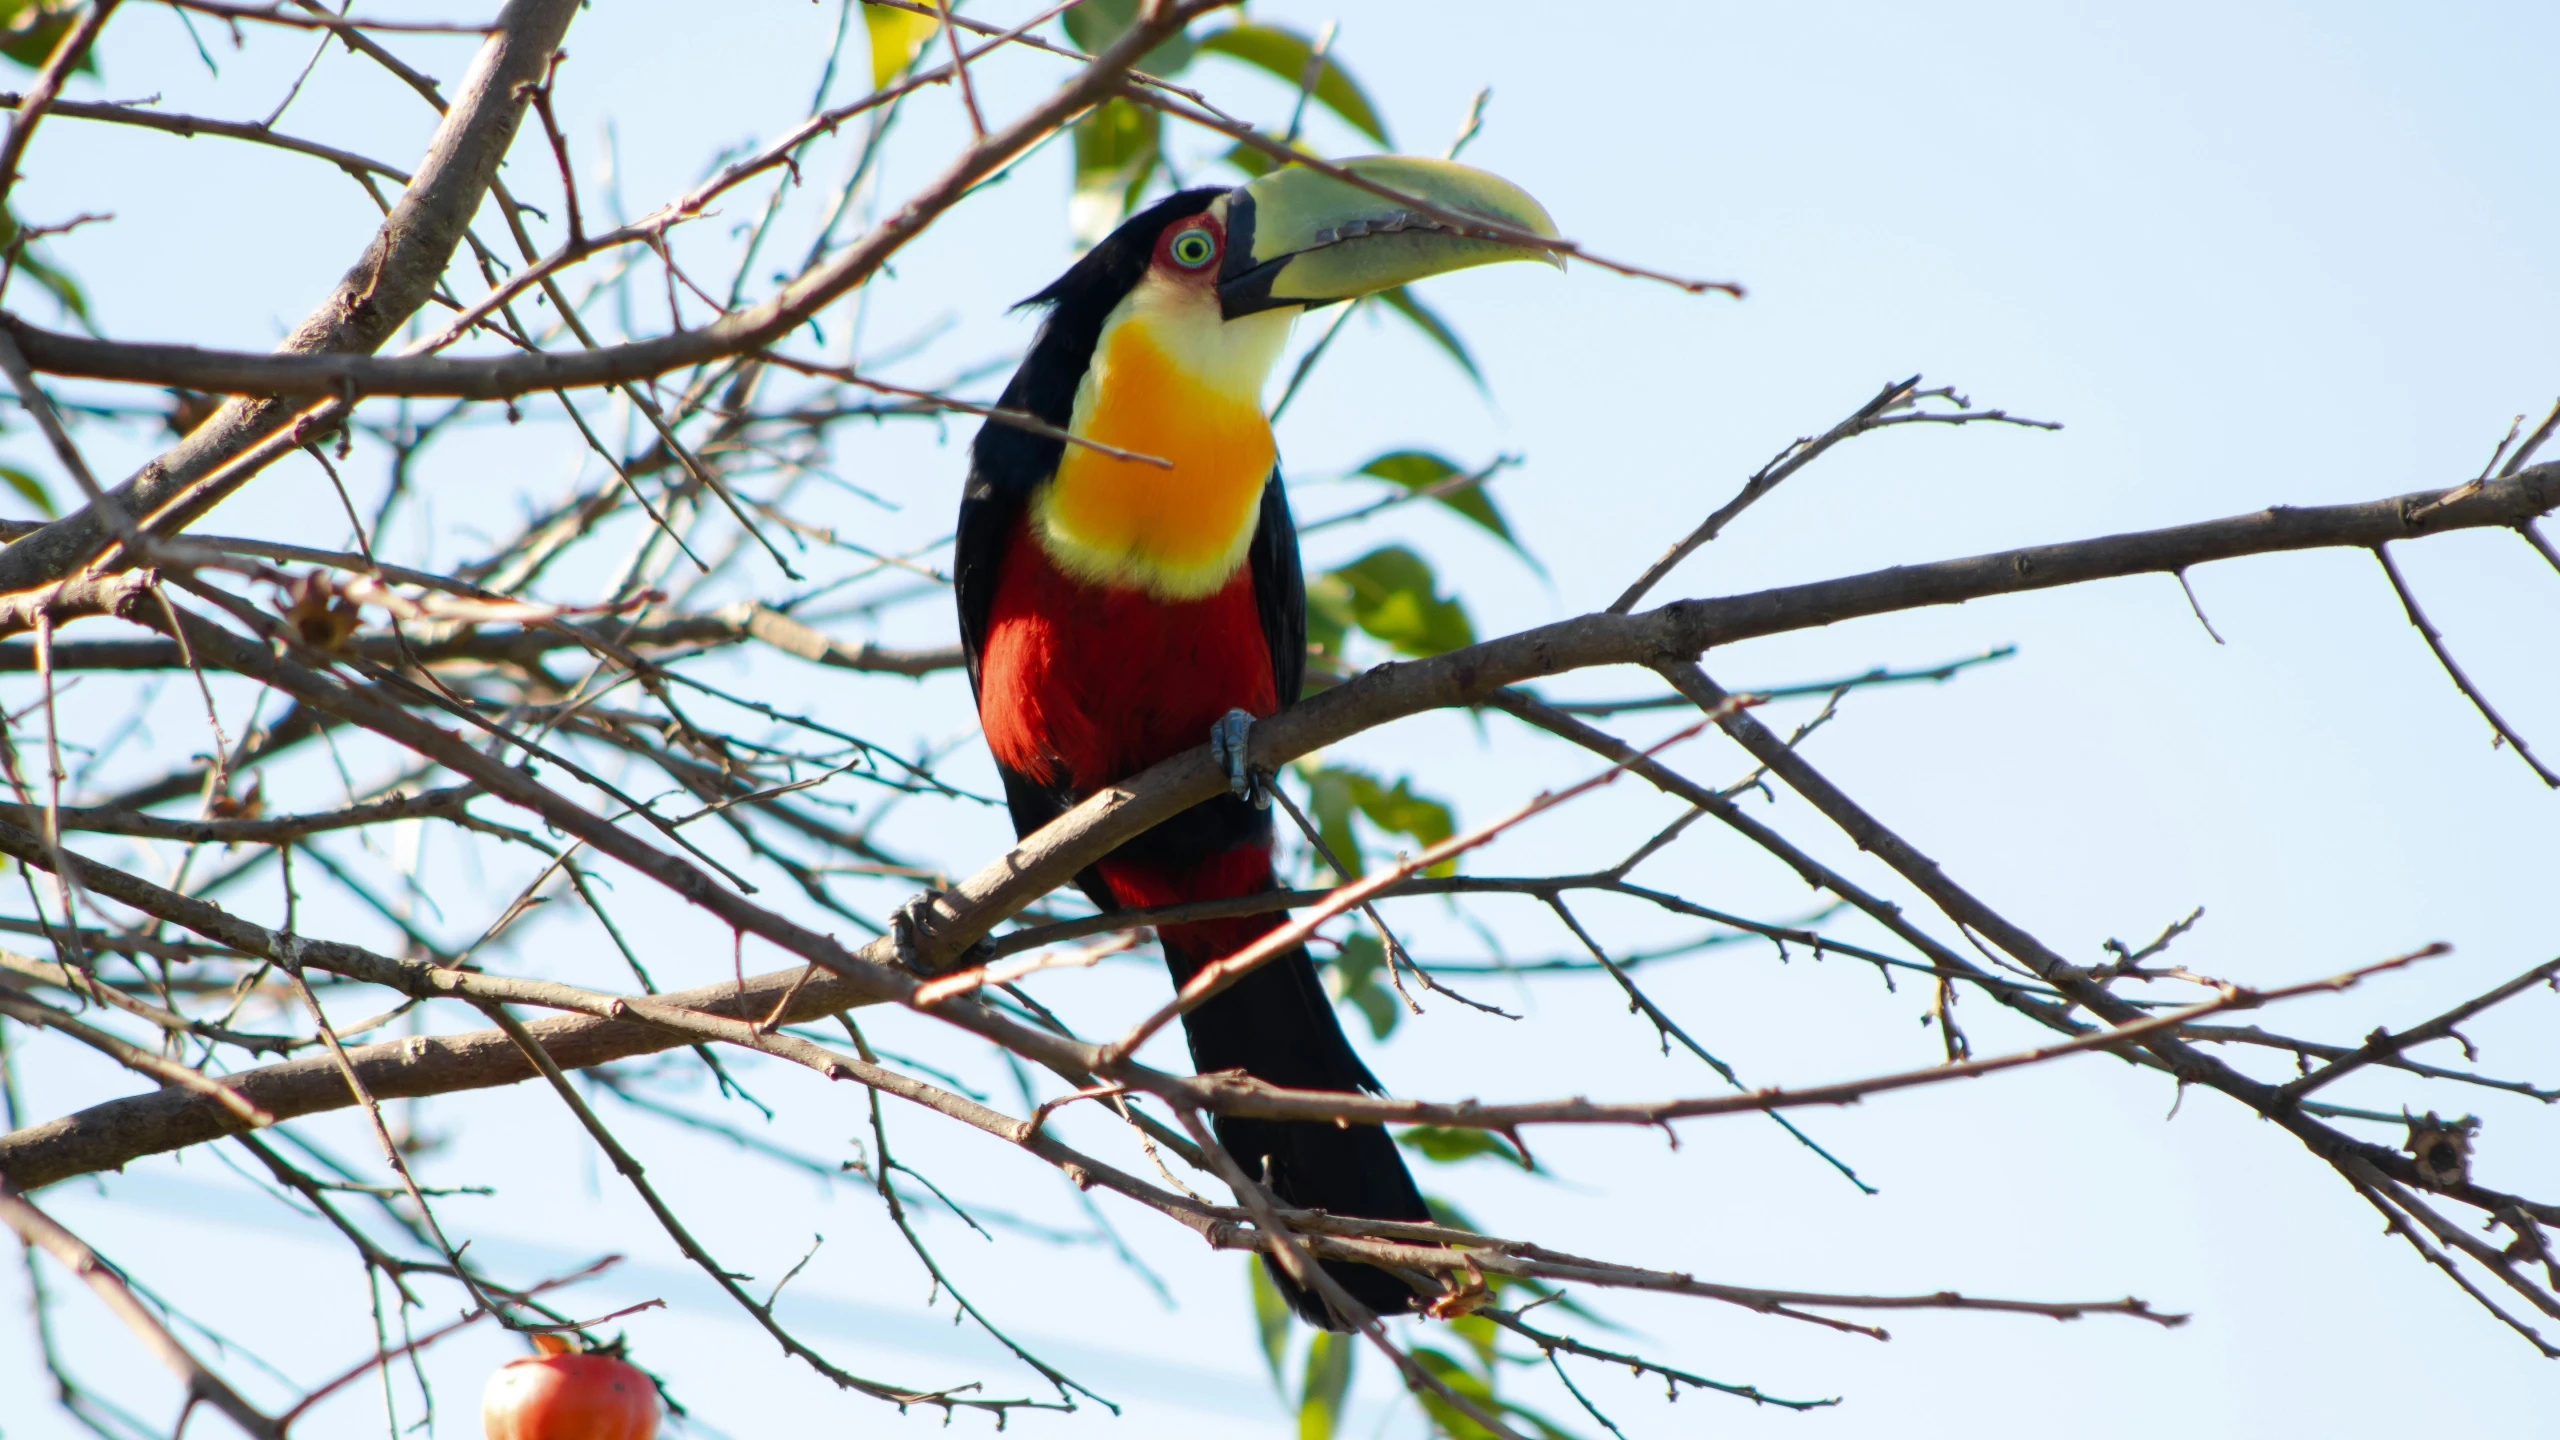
(1170, 377)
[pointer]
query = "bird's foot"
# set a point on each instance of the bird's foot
(1226, 747)
(907, 925)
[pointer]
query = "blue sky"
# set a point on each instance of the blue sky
(2247, 254)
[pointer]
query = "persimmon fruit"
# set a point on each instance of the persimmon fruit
(561, 1394)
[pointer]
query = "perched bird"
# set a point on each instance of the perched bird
(1117, 612)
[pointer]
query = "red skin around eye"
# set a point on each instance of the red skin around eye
(1203, 275)
(560, 1396)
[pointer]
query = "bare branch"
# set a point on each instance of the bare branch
(2384, 1045)
(395, 276)
(498, 377)
(68, 53)
(1876, 414)
(39, 1231)
(2453, 670)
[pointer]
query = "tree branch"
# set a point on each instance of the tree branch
(412, 250)
(396, 274)
(40, 1232)
(1050, 857)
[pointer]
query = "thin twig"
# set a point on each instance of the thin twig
(960, 67)
(68, 53)
(632, 1171)
(1878, 413)
(39, 1231)
(2384, 1045)
(2453, 670)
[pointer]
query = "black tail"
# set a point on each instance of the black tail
(1277, 1025)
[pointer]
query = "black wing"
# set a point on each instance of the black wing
(1280, 592)
(1003, 472)
(990, 511)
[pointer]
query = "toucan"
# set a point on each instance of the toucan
(1116, 611)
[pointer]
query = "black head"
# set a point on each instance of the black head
(1078, 302)
(1081, 299)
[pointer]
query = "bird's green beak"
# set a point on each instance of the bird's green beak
(1303, 237)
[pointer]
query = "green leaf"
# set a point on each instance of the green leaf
(1547, 1429)
(1421, 469)
(1450, 1420)
(1392, 595)
(1336, 792)
(1328, 1379)
(1328, 615)
(1271, 1318)
(1284, 53)
(1399, 811)
(29, 488)
(1252, 162)
(1428, 321)
(1449, 1144)
(1480, 1334)
(58, 284)
(897, 38)
(33, 27)
(1094, 24)
(1116, 154)
(64, 290)
(1455, 1423)
(1117, 142)
(1355, 981)
(1330, 801)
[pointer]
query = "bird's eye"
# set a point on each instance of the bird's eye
(1193, 248)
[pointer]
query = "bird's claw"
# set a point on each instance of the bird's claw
(907, 924)
(1227, 748)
